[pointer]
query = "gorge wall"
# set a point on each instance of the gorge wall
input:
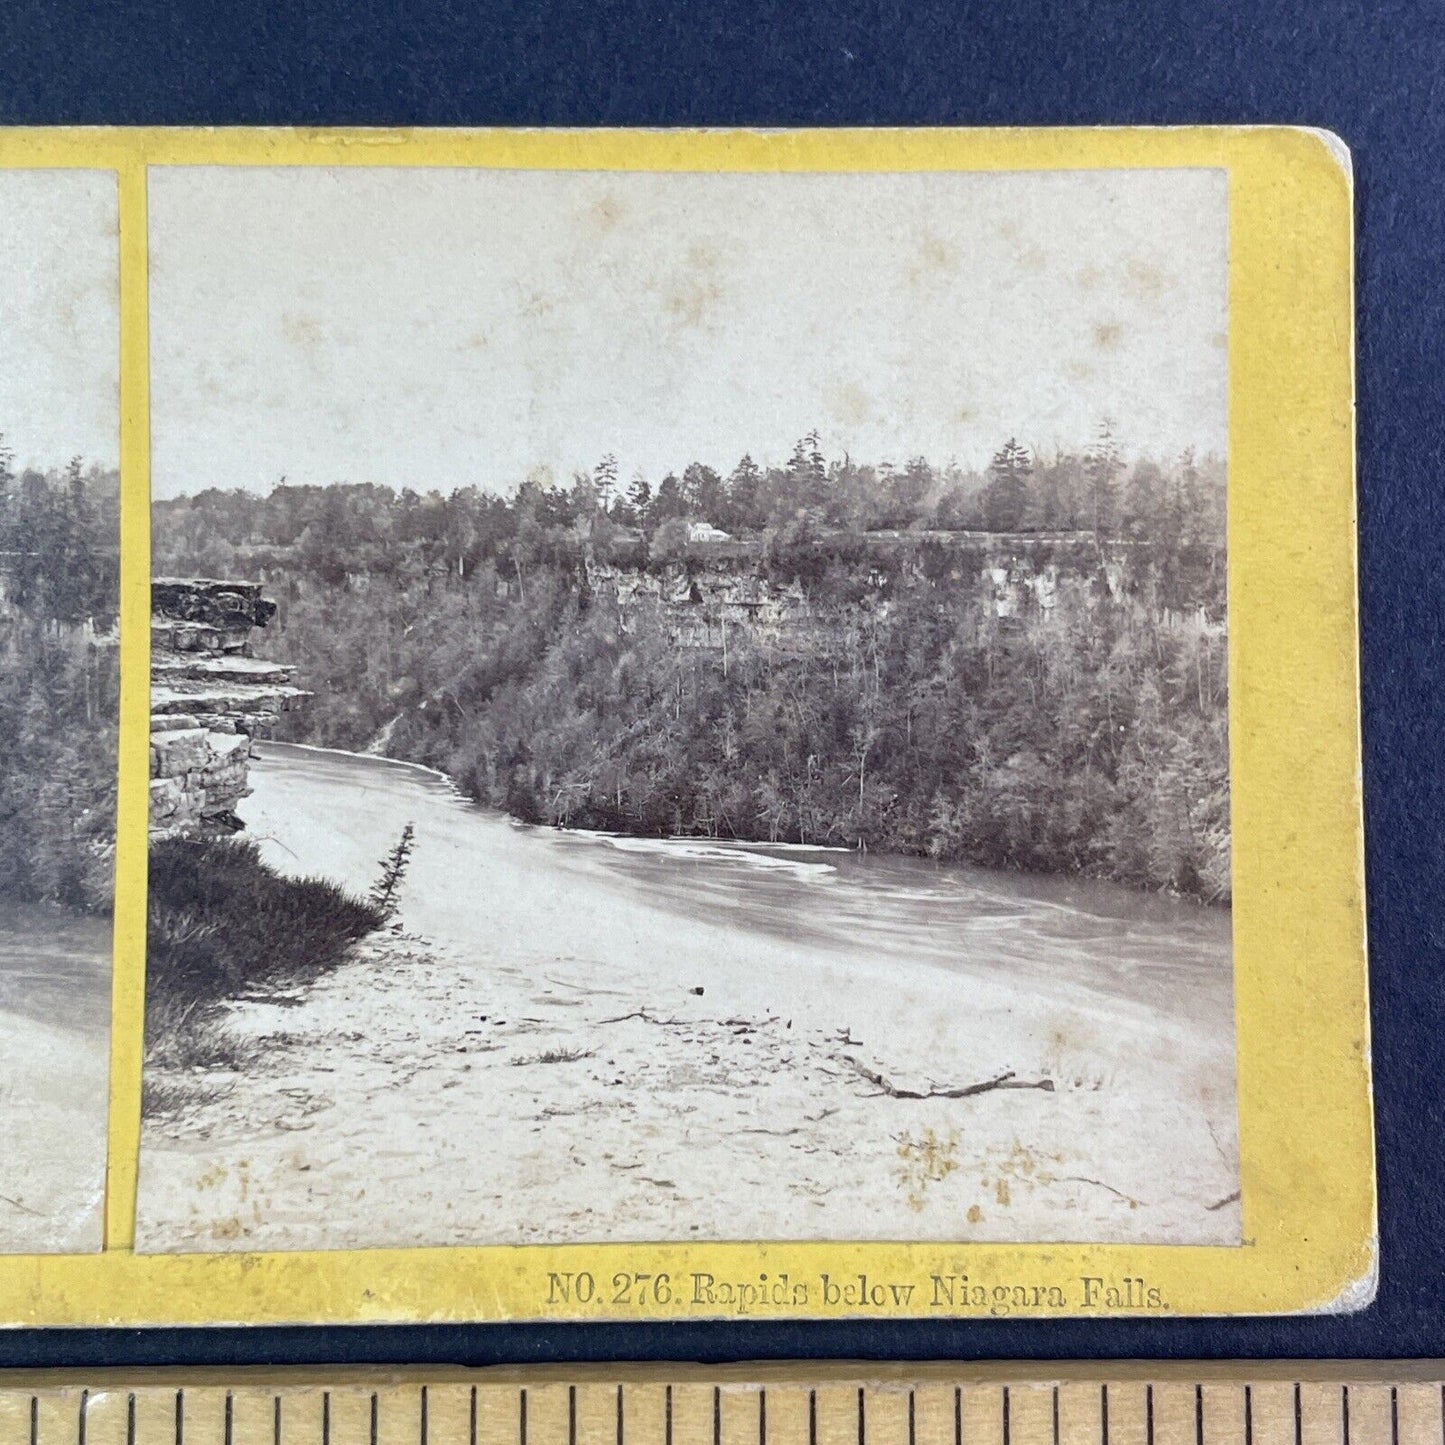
(209, 698)
(720, 590)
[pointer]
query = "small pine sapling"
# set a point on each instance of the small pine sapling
(393, 869)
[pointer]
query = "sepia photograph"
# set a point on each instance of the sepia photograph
(59, 700)
(684, 707)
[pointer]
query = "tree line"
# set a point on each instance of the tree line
(59, 682)
(365, 528)
(1083, 731)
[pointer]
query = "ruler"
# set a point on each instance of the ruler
(1283, 1403)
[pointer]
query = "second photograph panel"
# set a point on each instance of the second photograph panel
(688, 707)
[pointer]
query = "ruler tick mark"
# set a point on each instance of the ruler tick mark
(667, 1416)
(1345, 1414)
(1149, 1414)
(472, 1419)
(80, 1423)
(958, 1415)
(129, 1419)
(1394, 1415)
(1248, 1416)
(571, 1415)
(621, 1424)
(424, 1421)
(326, 1417)
(762, 1415)
(276, 1420)
(1299, 1426)
(1005, 1418)
(226, 1426)
(717, 1416)
(180, 1417)
(1104, 1414)
(912, 1422)
(1056, 1415)
(863, 1420)
(1199, 1415)
(522, 1416)
(373, 1417)
(812, 1417)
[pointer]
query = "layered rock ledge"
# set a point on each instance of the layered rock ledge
(209, 698)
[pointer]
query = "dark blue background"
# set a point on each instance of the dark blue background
(1375, 73)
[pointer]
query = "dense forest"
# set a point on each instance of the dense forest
(59, 682)
(489, 634)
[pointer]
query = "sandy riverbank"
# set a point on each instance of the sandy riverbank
(540, 1082)
(407, 1101)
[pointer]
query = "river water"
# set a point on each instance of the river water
(54, 1050)
(913, 913)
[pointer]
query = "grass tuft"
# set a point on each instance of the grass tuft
(554, 1056)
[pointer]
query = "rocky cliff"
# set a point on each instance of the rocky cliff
(209, 698)
(726, 590)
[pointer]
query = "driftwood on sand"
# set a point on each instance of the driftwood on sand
(1001, 1081)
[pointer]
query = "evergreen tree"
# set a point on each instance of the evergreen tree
(1102, 466)
(807, 478)
(639, 496)
(1144, 499)
(383, 894)
(604, 478)
(744, 510)
(669, 503)
(1006, 498)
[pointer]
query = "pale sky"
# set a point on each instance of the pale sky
(59, 316)
(443, 328)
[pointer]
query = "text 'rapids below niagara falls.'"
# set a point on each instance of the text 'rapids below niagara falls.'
(862, 1293)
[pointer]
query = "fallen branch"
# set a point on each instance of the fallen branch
(966, 1091)
(582, 987)
(646, 1018)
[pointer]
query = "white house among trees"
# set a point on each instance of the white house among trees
(706, 532)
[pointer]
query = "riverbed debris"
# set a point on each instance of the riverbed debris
(1008, 1080)
(646, 1018)
(555, 1056)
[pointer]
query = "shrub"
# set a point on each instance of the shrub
(223, 924)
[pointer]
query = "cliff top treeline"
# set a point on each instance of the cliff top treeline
(59, 682)
(853, 669)
(332, 532)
